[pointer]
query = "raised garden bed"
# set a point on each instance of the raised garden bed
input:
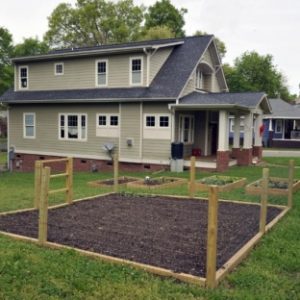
(124, 180)
(161, 231)
(277, 186)
(156, 182)
(224, 183)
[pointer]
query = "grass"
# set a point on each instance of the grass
(3, 158)
(272, 271)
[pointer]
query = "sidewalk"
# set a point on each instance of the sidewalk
(281, 153)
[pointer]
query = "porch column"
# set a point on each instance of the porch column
(236, 135)
(257, 149)
(223, 142)
(245, 155)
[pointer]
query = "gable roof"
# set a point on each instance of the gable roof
(283, 110)
(167, 84)
(245, 100)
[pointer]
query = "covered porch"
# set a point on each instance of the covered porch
(201, 123)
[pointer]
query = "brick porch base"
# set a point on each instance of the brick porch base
(257, 152)
(223, 158)
(244, 157)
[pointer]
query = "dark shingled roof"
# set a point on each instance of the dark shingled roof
(168, 83)
(283, 110)
(248, 99)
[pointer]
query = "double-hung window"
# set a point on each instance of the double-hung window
(59, 69)
(186, 128)
(29, 125)
(136, 70)
(73, 127)
(23, 77)
(101, 72)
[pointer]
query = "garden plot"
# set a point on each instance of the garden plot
(224, 183)
(277, 186)
(123, 180)
(156, 182)
(161, 231)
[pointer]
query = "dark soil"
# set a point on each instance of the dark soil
(157, 181)
(159, 231)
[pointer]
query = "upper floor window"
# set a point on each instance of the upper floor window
(59, 69)
(23, 77)
(136, 70)
(101, 72)
(29, 125)
(72, 126)
(199, 79)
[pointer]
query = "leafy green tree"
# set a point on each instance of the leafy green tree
(163, 13)
(6, 70)
(156, 33)
(94, 22)
(30, 46)
(220, 44)
(254, 72)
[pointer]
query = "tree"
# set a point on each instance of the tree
(254, 72)
(220, 44)
(6, 70)
(158, 32)
(163, 13)
(30, 46)
(94, 22)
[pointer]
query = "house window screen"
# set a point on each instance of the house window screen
(102, 73)
(29, 125)
(136, 71)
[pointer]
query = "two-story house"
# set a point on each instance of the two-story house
(138, 97)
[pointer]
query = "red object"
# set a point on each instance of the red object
(196, 152)
(261, 129)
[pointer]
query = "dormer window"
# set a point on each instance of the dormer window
(136, 70)
(59, 69)
(204, 77)
(23, 77)
(199, 79)
(101, 72)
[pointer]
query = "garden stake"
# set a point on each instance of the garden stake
(291, 182)
(116, 172)
(192, 177)
(264, 200)
(37, 183)
(212, 230)
(43, 206)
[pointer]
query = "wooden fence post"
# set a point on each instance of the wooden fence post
(69, 180)
(116, 173)
(43, 206)
(212, 231)
(264, 200)
(37, 183)
(291, 182)
(192, 176)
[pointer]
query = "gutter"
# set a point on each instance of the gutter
(209, 106)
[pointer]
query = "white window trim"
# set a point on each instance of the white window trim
(20, 83)
(96, 72)
(191, 117)
(157, 121)
(24, 125)
(107, 120)
(130, 70)
(66, 127)
(277, 121)
(63, 69)
(231, 124)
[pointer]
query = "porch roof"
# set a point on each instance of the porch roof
(242, 101)
(283, 110)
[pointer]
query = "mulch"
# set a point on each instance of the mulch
(155, 230)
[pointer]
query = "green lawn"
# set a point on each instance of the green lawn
(3, 158)
(27, 271)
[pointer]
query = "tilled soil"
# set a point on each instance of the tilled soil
(159, 231)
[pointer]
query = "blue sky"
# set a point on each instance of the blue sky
(266, 26)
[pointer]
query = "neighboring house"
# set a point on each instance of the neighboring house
(139, 97)
(282, 127)
(3, 123)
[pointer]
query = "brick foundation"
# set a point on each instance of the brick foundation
(25, 163)
(244, 157)
(257, 152)
(223, 158)
(235, 152)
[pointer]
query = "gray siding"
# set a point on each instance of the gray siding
(130, 128)
(80, 73)
(157, 60)
(47, 130)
